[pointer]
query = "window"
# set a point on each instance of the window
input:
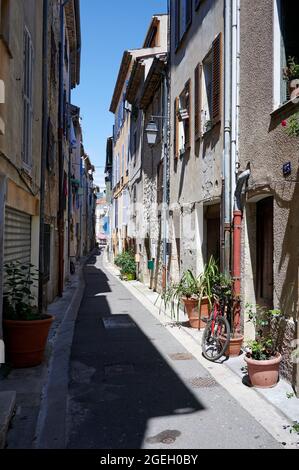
(5, 21)
(207, 93)
(28, 99)
(209, 80)
(183, 18)
(285, 46)
(182, 115)
(197, 102)
(123, 161)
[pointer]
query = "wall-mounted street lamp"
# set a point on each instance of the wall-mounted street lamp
(152, 132)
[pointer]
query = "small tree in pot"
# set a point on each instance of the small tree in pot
(126, 262)
(263, 359)
(195, 293)
(25, 329)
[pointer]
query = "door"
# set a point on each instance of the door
(265, 252)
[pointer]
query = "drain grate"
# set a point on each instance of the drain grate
(117, 322)
(202, 382)
(181, 357)
(118, 369)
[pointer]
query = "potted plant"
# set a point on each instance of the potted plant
(195, 293)
(263, 359)
(291, 74)
(127, 264)
(207, 281)
(223, 289)
(25, 330)
(292, 125)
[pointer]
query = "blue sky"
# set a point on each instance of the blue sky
(108, 29)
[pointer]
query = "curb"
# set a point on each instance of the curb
(51, 424)
(7, 407)
(266, 414)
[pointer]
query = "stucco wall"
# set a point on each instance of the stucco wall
(267, 150)
(195, 178)
(24, 13)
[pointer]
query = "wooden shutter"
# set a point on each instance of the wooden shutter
(17, 237)
(176, 129)
(197, 101)
(188, 121)
(217, 78)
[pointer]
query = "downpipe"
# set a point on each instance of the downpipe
(237, 238)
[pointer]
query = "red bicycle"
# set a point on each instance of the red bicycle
(216, 335)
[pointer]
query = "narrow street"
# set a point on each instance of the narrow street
(132, 385)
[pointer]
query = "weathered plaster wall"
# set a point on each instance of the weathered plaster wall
(195, 178)
(267, 150)
(27, 13)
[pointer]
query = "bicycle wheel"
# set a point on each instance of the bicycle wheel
(214, 344)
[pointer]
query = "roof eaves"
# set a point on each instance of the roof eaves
(123, 71)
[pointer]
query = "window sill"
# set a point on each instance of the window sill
(283, 112)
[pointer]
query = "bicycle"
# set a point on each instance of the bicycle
(216, 335)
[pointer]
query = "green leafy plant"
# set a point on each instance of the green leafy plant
(292, 127)
(126, 262)
(192, 287)
(292, 70)
(18, 300)
(264, 346)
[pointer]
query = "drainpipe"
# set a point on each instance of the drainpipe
(43, 158)
(2, 219)
(165, 180)
(237, 230)
(234, 98)
(227, 141)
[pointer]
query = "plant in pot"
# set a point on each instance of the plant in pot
(207, 280)
(195, 293)
(223, 290)
(291, 74)
(186, 291)
(25, 330)
(126, 262)
(263, 358)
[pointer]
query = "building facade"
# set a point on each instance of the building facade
(196, 117)
(128, 137)
(147, 93)
(270, 253)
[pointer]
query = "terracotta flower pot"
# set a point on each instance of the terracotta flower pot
(235, 345)
(25, 341)
(191, 306)
(263, 374)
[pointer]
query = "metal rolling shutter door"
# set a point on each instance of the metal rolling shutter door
(17, 236)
